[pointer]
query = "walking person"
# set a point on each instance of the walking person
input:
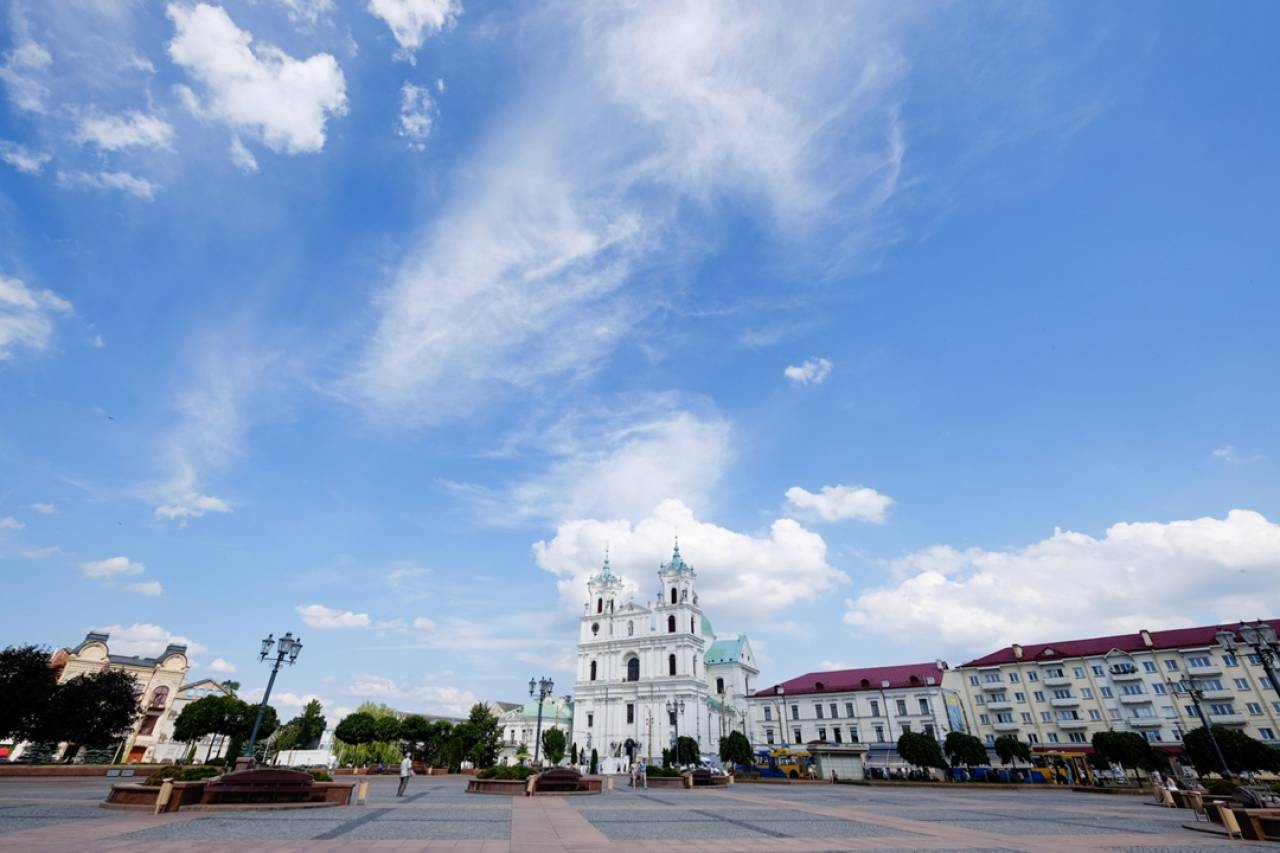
(635, 773)
(644, 775)
(406, 770)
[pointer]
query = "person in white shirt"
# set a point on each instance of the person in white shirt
(406, 770)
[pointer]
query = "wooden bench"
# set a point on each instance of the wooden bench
(560, 779)
(259, 786)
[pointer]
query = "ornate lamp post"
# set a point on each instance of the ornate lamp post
(286, 650)
(1188, 685)
(782, 714)
(1260, 637)
(674, 709)
(542, 689)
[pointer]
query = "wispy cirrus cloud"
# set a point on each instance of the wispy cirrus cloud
(27, 316)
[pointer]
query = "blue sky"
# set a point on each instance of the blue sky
(929, 328)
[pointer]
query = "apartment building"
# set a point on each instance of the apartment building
(1056, 695)
(870, 706)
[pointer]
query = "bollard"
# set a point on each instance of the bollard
(162, 798)
(362, 791)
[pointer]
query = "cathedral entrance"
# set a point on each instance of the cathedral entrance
(631, 747)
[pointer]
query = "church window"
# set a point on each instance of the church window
(599, 605)
(593, 670)
(631, 629)
(633, 669)
(671, 624)
(720, 686)
(692, 627)
(671, 664)
(631, 713)
(591, 719)
(595, 628)
(673, 595)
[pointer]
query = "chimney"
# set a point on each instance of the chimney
(1146, 638)
(941, 665)
(1017, 651)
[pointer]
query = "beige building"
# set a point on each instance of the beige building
(157, 684)
(1057, 695)
(166, 749)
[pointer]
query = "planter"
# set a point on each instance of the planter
(140, 770)
(501, 787)
(667, 782)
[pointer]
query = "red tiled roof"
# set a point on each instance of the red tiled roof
(1177, 638)
(870, 678)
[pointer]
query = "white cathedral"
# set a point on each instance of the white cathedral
(634, 661)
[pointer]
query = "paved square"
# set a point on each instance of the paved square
(63, 815)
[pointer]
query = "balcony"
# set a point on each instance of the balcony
(1226, 719)
(1134, 698)
(1002, 705)
(1145, 722)
(1219, 694)
(1005, 727)
(1073, 724)
(1122, 675)
(1056, 681)
(1068, 702)
(1211, 669)
(994, 686)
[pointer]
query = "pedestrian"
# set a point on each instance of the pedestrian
(406, 770)
(644, 775)
(635, 773)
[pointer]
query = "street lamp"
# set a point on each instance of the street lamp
(1188, 685)
(1260, 637)
(286, 650)
(542, 689)
(780, 691)
(674, 710)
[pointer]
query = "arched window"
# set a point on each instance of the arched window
(865, 684)
(599, 605)
(633, 669)
(671, 624)
(720, 686)
(159, 697)
(692, 628)
(671, 664)
(673, 595)
(593, 670)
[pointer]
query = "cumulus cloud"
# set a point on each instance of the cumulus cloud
(191, 505)
(21, 72)
(131, 129)
(27, 316)
(241, 157)
(151, 588)
(1137, 575)
(445, 700)
(105, 181)
(10, 523)
(23, 159)
(258, 90)
(307, 12)
(529, 274)
(144, 639)
(417, 109)
(325, 618)
(412, 22)
(744, 576)
(222, 665)
(111, 567)
(813, 371)
(838, 503)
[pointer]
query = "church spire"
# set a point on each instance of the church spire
(677, 563)
(606, 571)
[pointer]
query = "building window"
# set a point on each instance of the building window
(768, 736)
(1254, 708)
(853, 734)
(817, 710)
(839, 735)
(673, 596)
(848, 710)
(985, 719)
(906, 728)
(631, 629)
(1026, 716)
(834, 715)
(1133, 689)
(1230, 660)
(720, 686)
(149, 724)
(991, 677)
(1046, 716)
(593, 671)
(1097, 670)
(159, 697)
(924, 706)
(1171, 665)
(633, 669)
(671, 664)
(599, 605)
(631, 713)
(1062, 693)
(1039, 695)
(875, 707)
(671, 624)
(1086, 692)
(1113, 713)
(1033, 676)
(1149, 665)
(1157, 688)
(1105, 691)
(902, 707)
(1013, 678)
(768, 714)
(979, 699)
(1076, 737)
(796, 732)
(795, 712)
(692, 628)
(1032, 737)
(1053, 737)
(1267, 734)
(1077, 671)
(973, 679)
(591, 719)
(1199, 660)
(879, 734)
(1242, 684)
(1095, 714)
(822, 733)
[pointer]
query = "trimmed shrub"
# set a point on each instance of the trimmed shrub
(663, 772)
(507, 772)
(1220, 787)
(320, 775)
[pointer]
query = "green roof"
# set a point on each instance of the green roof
(725, 651)
(707, 630)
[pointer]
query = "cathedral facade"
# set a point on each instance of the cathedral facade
(637, 660)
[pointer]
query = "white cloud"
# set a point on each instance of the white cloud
(242, 158)
(742, 577)
(285, 699)
(111, 567)
(123, 181)
(837, 503)
(44, 509)
(1138, 575)
(413, 21)
(617, 464)
(41, 553)
(144, 639)
(191, 505)
(813, 371)
(10, 523)
(416, 115)
(24, 160)
(422, 698)
(424, 623)
(20, 75)
(222, 665)
(261, 91)
(26, 316)
(307, 13)
(319, 616)
(527, 277)
(152, 588)
(1229, 455)
(131, 129)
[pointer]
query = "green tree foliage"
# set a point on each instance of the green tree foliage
(921, 750)
(231, 685)
(1243, 753)
(553, 742)
(415, 730)
(27, 684)
(595, 762)
(39, 752)
(1128, 749)
(687, 751)
(477, 740)
(239, 723)
(1008, 747)
(964, 750)
(95, 709)
(356, 728)
(386, 729)
(310, 725)
(736, 750)
(573, 754)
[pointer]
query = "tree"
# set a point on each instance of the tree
(415, 731)
(386, 729)
(687, 751)
(573, 755)
(481, 735)
(595, 762)
(553, 742)
(921, 750)
(311, 724)
(736, 750)
(95, 709)
(238, 725)
(964, 750)
(1008, 747)
(356, 728)
(1243, 753)
(231, 685)
(1128, 749)
(27, 683)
